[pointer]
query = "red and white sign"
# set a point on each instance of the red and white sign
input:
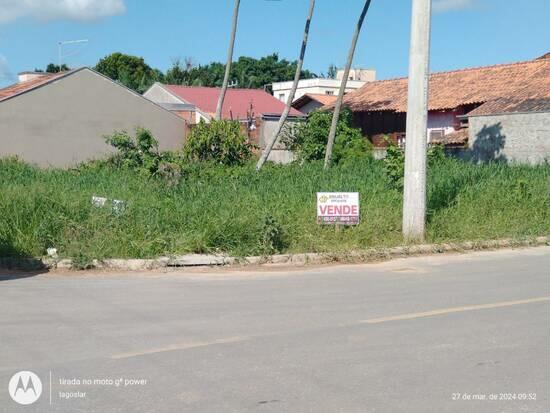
(338, 208)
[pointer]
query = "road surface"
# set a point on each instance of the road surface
(464, 333)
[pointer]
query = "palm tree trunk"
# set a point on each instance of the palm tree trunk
(284, 116)
(229, 60)
(338, 106)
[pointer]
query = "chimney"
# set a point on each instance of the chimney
(26, 76)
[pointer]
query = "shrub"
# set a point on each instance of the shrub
(139, 153)
(272, 236)
(219, 141)
(309, 139)
(394, 162)
(394, 165)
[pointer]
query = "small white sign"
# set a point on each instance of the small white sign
(99, 201)
(338, 208)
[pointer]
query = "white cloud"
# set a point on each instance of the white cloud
(448, 5)
(81, 10)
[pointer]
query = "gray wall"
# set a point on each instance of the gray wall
(310, 107)
(63, 123)
(157, 94)
(279, 153)
(515, 137)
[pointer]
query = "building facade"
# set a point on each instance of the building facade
(456, 99)
(323, 86)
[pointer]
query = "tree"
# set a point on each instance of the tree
(246, 72)
(229, 60)
(52, 68)
(308, 140)
(332, 71)
(338, 106)
(179, 73)
(131, 71)
(282, 120)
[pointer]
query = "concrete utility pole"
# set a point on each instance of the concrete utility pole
(229, 60)
(414, 197)
(265, 154)
(338, 106)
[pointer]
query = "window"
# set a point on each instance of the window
(282, 97)
(329, 92)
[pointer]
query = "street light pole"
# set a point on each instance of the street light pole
(414, 197)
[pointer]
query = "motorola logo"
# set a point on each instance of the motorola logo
(25, 387)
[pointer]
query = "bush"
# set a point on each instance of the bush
(139, 153)
(394, 162)
(309, 139)
(394, 165)
(219, 141)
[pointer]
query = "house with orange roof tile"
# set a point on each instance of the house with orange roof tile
(460, 103)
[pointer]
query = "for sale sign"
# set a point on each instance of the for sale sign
(338, 208)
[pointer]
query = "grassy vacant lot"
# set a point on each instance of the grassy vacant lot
(239, 211)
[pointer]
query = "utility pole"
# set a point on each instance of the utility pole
(269, 146)
(343, 84)
(229, 60)
(416, 143)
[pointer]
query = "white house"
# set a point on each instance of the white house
(323, 86)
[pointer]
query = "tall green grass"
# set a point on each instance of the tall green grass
(238, 211)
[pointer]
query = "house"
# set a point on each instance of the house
(379, 107)
(310, 102)
(514, 127)
(60, 119)
(324, 86)
(257, 110)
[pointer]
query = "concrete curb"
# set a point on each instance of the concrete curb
(351, 257)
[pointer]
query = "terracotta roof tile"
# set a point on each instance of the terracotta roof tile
(22, 87)
(449, 90)
(459, 137)
(534, 96)
(323, 99)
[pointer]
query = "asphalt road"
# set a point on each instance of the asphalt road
(466, 333)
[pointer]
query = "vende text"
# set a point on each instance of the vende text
(340, 210)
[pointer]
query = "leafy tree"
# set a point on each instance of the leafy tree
(178, 74)
(219, 141)
(53, 68)
(139, 153)
(246, 72)
(309, 139)
(131, 71)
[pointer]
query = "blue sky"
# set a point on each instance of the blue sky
(465, 32)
